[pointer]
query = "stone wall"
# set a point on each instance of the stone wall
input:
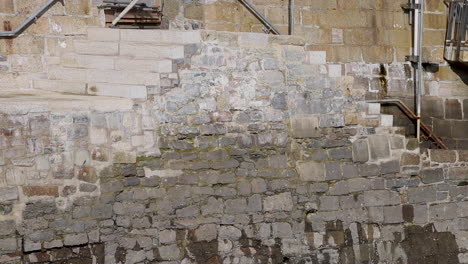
(231, 148)
(366, 32)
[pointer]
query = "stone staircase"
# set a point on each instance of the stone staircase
(114, 62)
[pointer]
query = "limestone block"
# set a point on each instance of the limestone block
(311, 171)
(373, 109)
(87, 61)
(16, 176)
(253, 40)
(60, 86)
(122, 77)
(86, 47)
(103, 34)
(68, 25)
(160, 36)
(305, 127)
(7, 6)
(317, 57)
(386, 120)
(161, 66)
(124, 157)
(24, 44)
(140, 50)
(118, 90)
(31, 63)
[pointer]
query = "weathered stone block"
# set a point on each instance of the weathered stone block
(333, 171)
(458, 173)
(379, 147)
(380, 198)
(8, 194)
(446, 211)
(393, 214)
(453, 109)
(229, 232)
(311, 171)
(207, 232)
(305, 127)
(96, 48)
(279, 202)
(442, 155)
(360, 150)
(171, 252)
(41, 191)
(75, 239)
(422, 194)
(432, 175)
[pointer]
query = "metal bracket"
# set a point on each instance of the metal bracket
(410, 6)
(412, 58)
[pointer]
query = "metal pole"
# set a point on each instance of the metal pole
(261, 17)
(29, 21)
(124, 12)
(418, 43)
(291, 16)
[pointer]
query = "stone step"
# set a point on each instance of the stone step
(130, 49)
(146, 36)
(79, 61)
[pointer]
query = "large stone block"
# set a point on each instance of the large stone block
(305, 127)
(379, 147)
(103, 34)
(118, 90)
(422, 194)
(96, 47)
(311, 171)
(160, 36)
(453, 109)
(360, 150)
(139, 50)
(8, 194)
(41, 191)
(380, 198)
(458, 173)
(442, 156)
(279, 202)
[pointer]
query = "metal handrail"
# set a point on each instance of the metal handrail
(261, 17)
(406, 110)
(29, 21)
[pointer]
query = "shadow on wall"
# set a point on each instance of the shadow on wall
(461, 71)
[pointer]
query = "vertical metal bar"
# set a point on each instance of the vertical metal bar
(292, 15)
(418, 43)
(124, 12)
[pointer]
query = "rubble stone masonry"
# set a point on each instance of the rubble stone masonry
(179, 147)
(214, 147)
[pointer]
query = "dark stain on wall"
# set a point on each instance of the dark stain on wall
(424, 245)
